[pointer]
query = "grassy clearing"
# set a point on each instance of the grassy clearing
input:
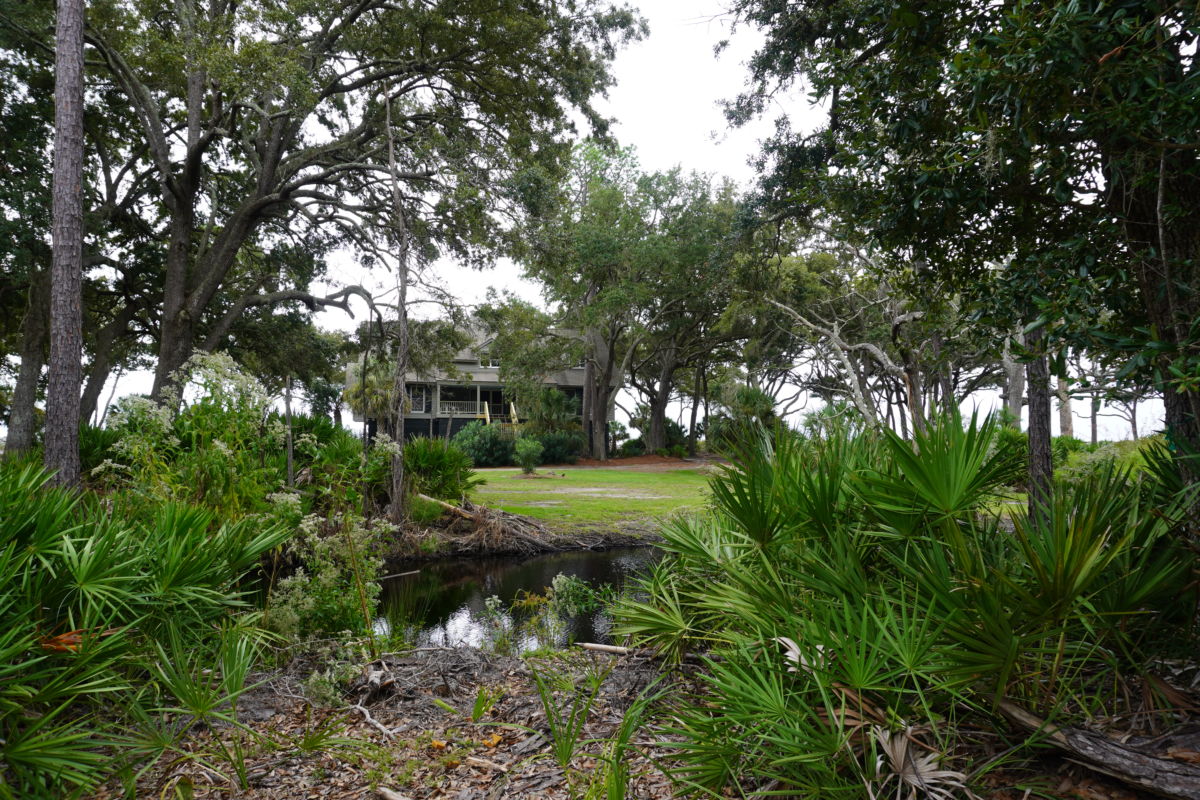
(596, 496)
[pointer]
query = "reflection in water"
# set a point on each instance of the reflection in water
(445, 603)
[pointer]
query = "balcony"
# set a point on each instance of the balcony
(471, 408)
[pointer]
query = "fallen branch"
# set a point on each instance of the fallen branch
(388, 794)
(1162, 776)
(605, 648)
(453, 509)
(495, 531)
(374, 723)
(483, 762)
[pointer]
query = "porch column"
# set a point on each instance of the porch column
(477, 399)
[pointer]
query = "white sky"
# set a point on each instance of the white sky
(666, 105)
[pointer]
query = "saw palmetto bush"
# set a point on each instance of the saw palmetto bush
(85, 604)
(439, 469)
(856, 600)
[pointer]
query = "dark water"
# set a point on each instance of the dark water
(445, 603)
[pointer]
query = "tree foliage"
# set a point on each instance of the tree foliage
(1057, 139)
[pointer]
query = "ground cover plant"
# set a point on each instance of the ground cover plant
(133, 614)
(107, 623)
(862, 611)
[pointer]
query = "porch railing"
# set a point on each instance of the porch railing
(471, 408)
(460, 408)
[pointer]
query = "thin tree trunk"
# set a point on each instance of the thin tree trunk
(695, 411)
(1014, 382)
(903, 402)
(287, 410)
(111, 394)
(399, 508)
(35, 332)
(1095, 419)
(66, 271)
(1041, 467)
(1066, 420)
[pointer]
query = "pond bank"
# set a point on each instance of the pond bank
(455, 536)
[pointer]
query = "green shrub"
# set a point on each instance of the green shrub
(323, 430)
(336, 588)
(487, 445)
(1061, 448)
(632, 448)
(529, 454)
(856, 588)
(1012, 445)
(96, 445)
(439, 469)
(89, 606)
(1127, 457)
(221, 450)
(561, 447)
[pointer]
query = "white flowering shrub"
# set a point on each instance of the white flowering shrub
(337, 588)
(208, 442)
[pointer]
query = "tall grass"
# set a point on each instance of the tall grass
(853, 594)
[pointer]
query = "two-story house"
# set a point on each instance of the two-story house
(446, 401)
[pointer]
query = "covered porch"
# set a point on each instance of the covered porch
(478, 401)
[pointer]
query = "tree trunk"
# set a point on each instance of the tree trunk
(399, 507)
(589, 398)
(1066, 420)
(35, 331)
(1013, 392)
(1159, 204)
(102, 360)
(1095, 419)
(66, 271)
(601, 387)
(691, 445)
(287, 410)
(1041, 467)
(656, 435)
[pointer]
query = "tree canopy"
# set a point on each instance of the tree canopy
(1057, 139)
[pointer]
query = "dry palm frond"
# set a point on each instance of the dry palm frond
(914, 774)
(794, 654)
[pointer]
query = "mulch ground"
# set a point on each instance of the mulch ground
(405, 731)
(402, 730)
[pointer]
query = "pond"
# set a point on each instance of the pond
(446, 603)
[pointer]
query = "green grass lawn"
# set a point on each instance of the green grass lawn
(598, 496)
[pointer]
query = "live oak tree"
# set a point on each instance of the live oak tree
(261, 120)
(690, 248)
(585, 246)
(1058, 138)
(26, 119)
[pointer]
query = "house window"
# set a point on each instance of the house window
(418, 398)
(489, 360)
